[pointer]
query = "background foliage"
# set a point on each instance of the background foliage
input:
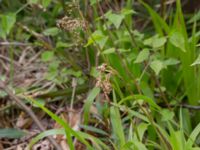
(139, 58)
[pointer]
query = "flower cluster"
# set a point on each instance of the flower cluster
(71, 24)
(103, 80)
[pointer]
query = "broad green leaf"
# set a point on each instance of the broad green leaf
(146, 89)
(94, 73)
(11, 133)
(142, 56)
(157, 66)
(155, 41)
(171, 61)
(115, 19)
(159, 42)
(51, 31)
(6, 24)
(47, 56)
(167, 115)
(148, 42)
(177, 39)
(2, 32)
(197, 61)
(97, 38)
(72, 72)
(109, 51)
(92, 2)
(126, 12)
(45, 3)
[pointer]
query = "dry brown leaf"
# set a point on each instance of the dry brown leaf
(74, 118)
(64, 145)
(93, 110)
(1, 146)
(43, 145)
(23, 121)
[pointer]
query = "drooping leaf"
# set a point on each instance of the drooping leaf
(11, 133)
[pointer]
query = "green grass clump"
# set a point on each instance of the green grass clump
(142, 65)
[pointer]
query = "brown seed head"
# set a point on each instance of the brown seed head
(70, 24)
